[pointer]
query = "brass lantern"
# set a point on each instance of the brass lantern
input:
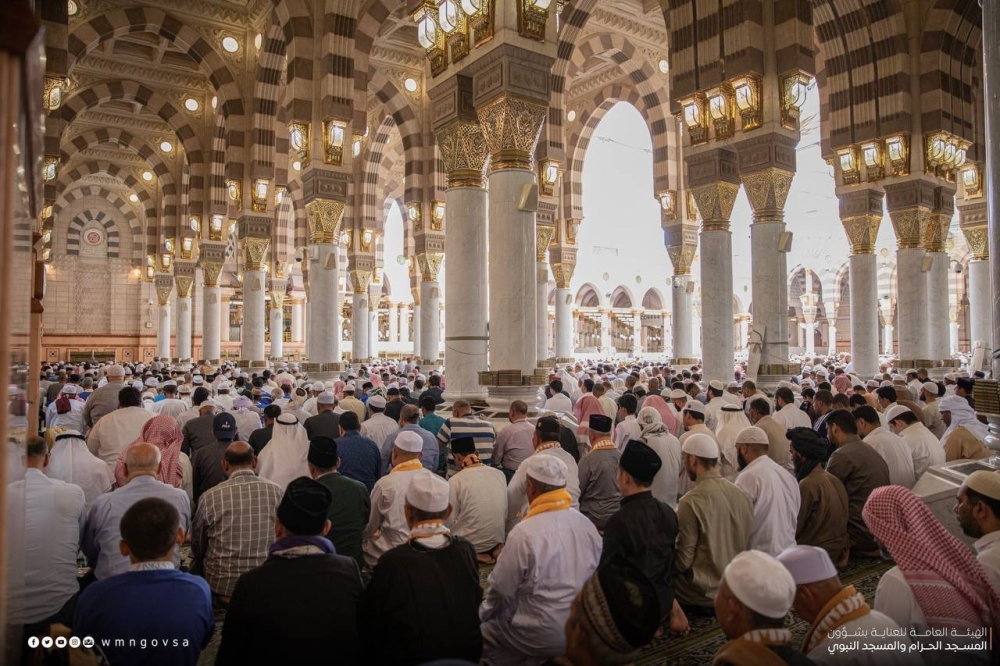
(334, 137)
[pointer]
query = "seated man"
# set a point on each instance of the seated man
(302, 591)
(548, 557)
(964, 436)
(546, 443)
(755, 595)
(351, 502)
(773, 491)
(432, 577)
(386, 526)
(599, 494)
(478, 501)
(232, 526)
(151, 599)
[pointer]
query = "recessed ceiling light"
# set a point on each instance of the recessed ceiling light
(297, 165)
(191, 104)
(147, 176)
(258, 40)
(664, 66)
(571, 115)
(410, 84)
(72, 8)
(230, 44)
(166, 146)
(215, 101)
(134, 198)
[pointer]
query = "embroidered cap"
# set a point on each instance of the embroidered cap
(547, 469)
(807, 564)
(760, 583)
(409, 441)
(428, 492)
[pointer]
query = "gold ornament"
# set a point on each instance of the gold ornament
(543, 236)
(464, 151)
(910, 225)
(862, 230)
(184, 284)
(681, 256)
(563, 273)
(254, 250)
(715, 204)
(359, 280)
(430, 265)
(210, 270)
(767, 191)
(511, 126)
(979, 241)
(324, 217)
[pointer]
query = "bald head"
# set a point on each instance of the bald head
(238, 455)
(143, 459)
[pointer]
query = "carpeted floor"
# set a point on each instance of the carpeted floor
(695, 649)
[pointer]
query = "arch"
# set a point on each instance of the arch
(589, 296)
(77, 172)
(653, 299)
(79, 191)
(267, 93)
(405, 117)
(622, 297)
(80, 221)
(371, 172)
(295, 19)
(372, 16)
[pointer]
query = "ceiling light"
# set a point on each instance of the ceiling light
(571, 115)
(72, 8)
(258, 40)
(410, 84)
(191, 104)
(215, 101)
(166, 146)
(297, 165)
(134, 198)
(230, 44)
(664, 66)
(147, 176)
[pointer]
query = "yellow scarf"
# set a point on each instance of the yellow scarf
(603, 445)
(555, 500)
(471, 460)
(407, 466)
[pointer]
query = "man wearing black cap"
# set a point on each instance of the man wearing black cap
(478, 501)
(546, 443)
(644, 529)
(349, 509)
(206, 463)
(599, 495)
(303, 590)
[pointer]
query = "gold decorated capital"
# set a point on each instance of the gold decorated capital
(277, 298)
(978, 239)
(164, 288)
(543, 237)
(254, 250)
(360, 279)
(936, 232)
(715, 204)
(563, 273)
(464, 151)
(211, 270)
(324, 217)
(184, 284)
(511, 126)
(767, 191)
(910, 224)
(862, 230)
(430, 265)
(682, 256)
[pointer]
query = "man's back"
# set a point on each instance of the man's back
(206, 465)
(198, 433)
(481, 430)
(115, 432)
(348, 513)
(359, 458)
(260, 438)
(324, 424)
(822, 520)
(896, 454)
(479, 506)
(778, 448)
(102, 401)
(513, 445)
(599, 494)
(861, 469)
(280, 608)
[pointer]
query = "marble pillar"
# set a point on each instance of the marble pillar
(682, 300)
(297, 317)
(831, 328)
(953, 333)
(980, 296)
(637, 348)
(164, 290)
(185, 284)
(393, 323)
(360, 319)
(324, 217)
(374, 342)
(938, 276)
(861, 215)
(886, 307)
(809, 326)
(415, 329)
(277, 326)
(910, 206)
(211, 314)
(404, 323)
(991, 70)
(565, 319)
(252, 340)
(542, 313)
(430, 307)
(606, 343)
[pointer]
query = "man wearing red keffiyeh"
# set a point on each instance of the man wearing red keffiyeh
(937, 582)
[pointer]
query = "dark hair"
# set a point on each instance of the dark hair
(909, 418)
(761, 406)
(588, 384)
(548, 426)
(200, 395)
(149, 527)
(434, 380)
(519, 407)
(36, 447)
(867, 414)
(714, 392)
(886, 393)
(840, 401)
(272, 411)
(129, 397)
(349, 421)
(556, 386)
(856, 400)
(994, 504)
(428, 403)
(419, 515)
(824, 396)
(844, 420)
(785, 395)
(545, 487)
(808, 392)
(628, 403)
(409, 414)
(392, 391)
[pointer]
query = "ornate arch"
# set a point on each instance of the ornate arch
(372, 175)
(588, 289)
(405, 117)
(267, 95)
(80, 221)
(77, 192)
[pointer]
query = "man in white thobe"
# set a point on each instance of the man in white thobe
(773, 491)
(628, 427)
(893, 449)
(716, 401)
(548, 557)
(546, 443)
(978, 511)
(931, 409)
(283, 459)
(116, 430)
(72, 419)
(72, 462)
(378, 427)
(478, 501)
(171, 405)
(387, 526)
(787, 413)
(925, 448)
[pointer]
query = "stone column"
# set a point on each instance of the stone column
(831, 328)
(606, 340)
(563, 274)
(277, 321)
(682, 300)
(861, 215)
(359, 316)
(886, 306)
(393, 323)
(953, 330)
(767, 189)
(184, 283)
(297, 316)
(938, 277)
(404, 323)
(416, 321)
(809, 322)
(543, 236)
(211, 258)
(991, 69)
(714, 185)
(972, 217)
(909, 205)
(430, 306)
(374, 301)
(464, 151)
(636, 332)
(164, 290)
(323, 343)
(254, 284)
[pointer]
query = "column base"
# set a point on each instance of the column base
(905, 364)
(321, 367)
(682, 360)
(561, 360)
(502, 396)
(247, 363)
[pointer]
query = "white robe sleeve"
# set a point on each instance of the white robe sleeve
(511, 573)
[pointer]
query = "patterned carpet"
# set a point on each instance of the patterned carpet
(695, 649)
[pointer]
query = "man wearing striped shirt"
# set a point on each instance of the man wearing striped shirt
(463, 423)
(234, 523)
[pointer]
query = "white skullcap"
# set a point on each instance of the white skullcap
(807, 382)
(701, 446)
(694, 406)
(808, 564)
(930, 387)
(329, 386)
(678, 394)
(151, 382)
(409, 441)
(348, 387)
(326, 398)
(184, 388)
(732, 385)
(169, 382)
(287, 419)
(377, 401)
(547, 469)
(761, 583)
(137, 385)
(962, 374)
(897, 378)
(950, 402)
(896, 411)
(885, 383)
(151, 395)
(197, 380)
(910, 371)
(69, 389)
(209, 403)
(428, 492)
(951, 376)
(716, 384)
(224, 385)
(752, 435)
(872, 383)
(116, 371)
(985, 483)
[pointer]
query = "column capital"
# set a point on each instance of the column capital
(715, 203)
(430, 265)
(459, 135)
(511, 125)
(164, 283)
(910, 205)
(682, 256)
(767, 190)
(254, 249)
(544, 234)
(359, 280)
(184, 285)
(861, 215)
(324, 184)
(978, 238)
(562, 272)
(324, 217)
(939, 221)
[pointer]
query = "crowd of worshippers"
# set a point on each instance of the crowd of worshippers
(671, 498)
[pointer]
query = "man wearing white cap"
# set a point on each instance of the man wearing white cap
(925, 448)
(66, 410)
(546, 443)
(773, 491)
(978, 511)
(284, 458)
(931, 408)
(713, 525)
(755, 594)
(430, 578)
(351, 403)
(105, 399)
(832, 609)
(548, 557)
(715, 391)
(379, 426)
(387, 527)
